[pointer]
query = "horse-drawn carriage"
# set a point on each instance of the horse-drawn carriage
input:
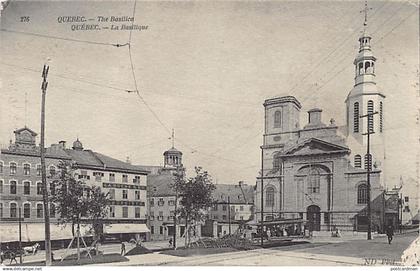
(11, 253)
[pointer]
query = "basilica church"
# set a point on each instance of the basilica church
(318, 172)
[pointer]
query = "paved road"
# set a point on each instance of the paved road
(324, 254)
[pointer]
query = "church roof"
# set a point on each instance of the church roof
(313, 146)
(283, 99)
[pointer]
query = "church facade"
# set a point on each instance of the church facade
(316, 172)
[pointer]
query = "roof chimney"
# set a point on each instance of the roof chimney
(314, 116)
(62, 144)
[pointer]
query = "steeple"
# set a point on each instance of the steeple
(365, 98)
(172, 157)
(365, 61)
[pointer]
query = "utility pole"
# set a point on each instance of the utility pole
(370, 131)
(43, 169)
(262, 197)
(230, 228)
(20, 235)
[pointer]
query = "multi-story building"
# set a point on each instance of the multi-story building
(161, 197)
(21, 188)
(233, 207)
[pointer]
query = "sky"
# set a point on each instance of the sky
(204, 69)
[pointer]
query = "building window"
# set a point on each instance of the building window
(124, 194)
(137, 194)
(111, 177)
(52, 171)
(241, 217)
(269, 197)
(313, 182)
(26, 169)
(13, 187)
(161, 202)
(161, 230)
(224, 208)
(39, 211)
(368, 161)
(125, 212)
(215, 217)
(215, 207)
(357, 161)
(13, 168)
(125, 178)
(152, 202)
(276, 163)
(38, 170)
(381, 118)
(111, 211)
(241, 208)
(136, 179)
(277, 119)
(1, 167)
(111, 193)
(356, 117)
(152, 229)
(98, 176)
(13, 210)
(406, 208)
(1, 209)
(224, 217)
(52, 188)
(362, 195)
(370, 117)
(152, 216)
(137, 212)
(1, 186)
(26, 188)
(171, 202)
(52, 210)
(39, 188)
(406, 199)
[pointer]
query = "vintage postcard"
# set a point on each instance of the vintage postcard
(209, 133)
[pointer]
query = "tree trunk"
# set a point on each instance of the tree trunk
(186, 232)
(78, 241)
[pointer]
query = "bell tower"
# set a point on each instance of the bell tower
(362, 99)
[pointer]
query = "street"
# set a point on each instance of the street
(357, 252)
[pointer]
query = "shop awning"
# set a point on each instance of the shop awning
(31, 232)
(126, 228)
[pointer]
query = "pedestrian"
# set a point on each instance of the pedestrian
(390, 233)
(170, 242)
(122, 248)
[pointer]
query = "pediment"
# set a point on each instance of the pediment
(315, 146)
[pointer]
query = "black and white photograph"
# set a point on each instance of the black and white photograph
(209, 133)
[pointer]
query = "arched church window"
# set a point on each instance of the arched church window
(362, 196)
(277, 119)
(361, 71)
(276, 163)
(368, 161)
(368, 68)
(357, 161)
(356, 117)
(269, 197)
(380, 117)
(370, 117)
(313, 181)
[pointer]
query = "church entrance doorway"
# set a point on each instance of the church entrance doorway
(313, 214)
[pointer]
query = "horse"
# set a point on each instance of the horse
(32, 249)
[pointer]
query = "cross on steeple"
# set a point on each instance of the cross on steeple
(365, 11)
